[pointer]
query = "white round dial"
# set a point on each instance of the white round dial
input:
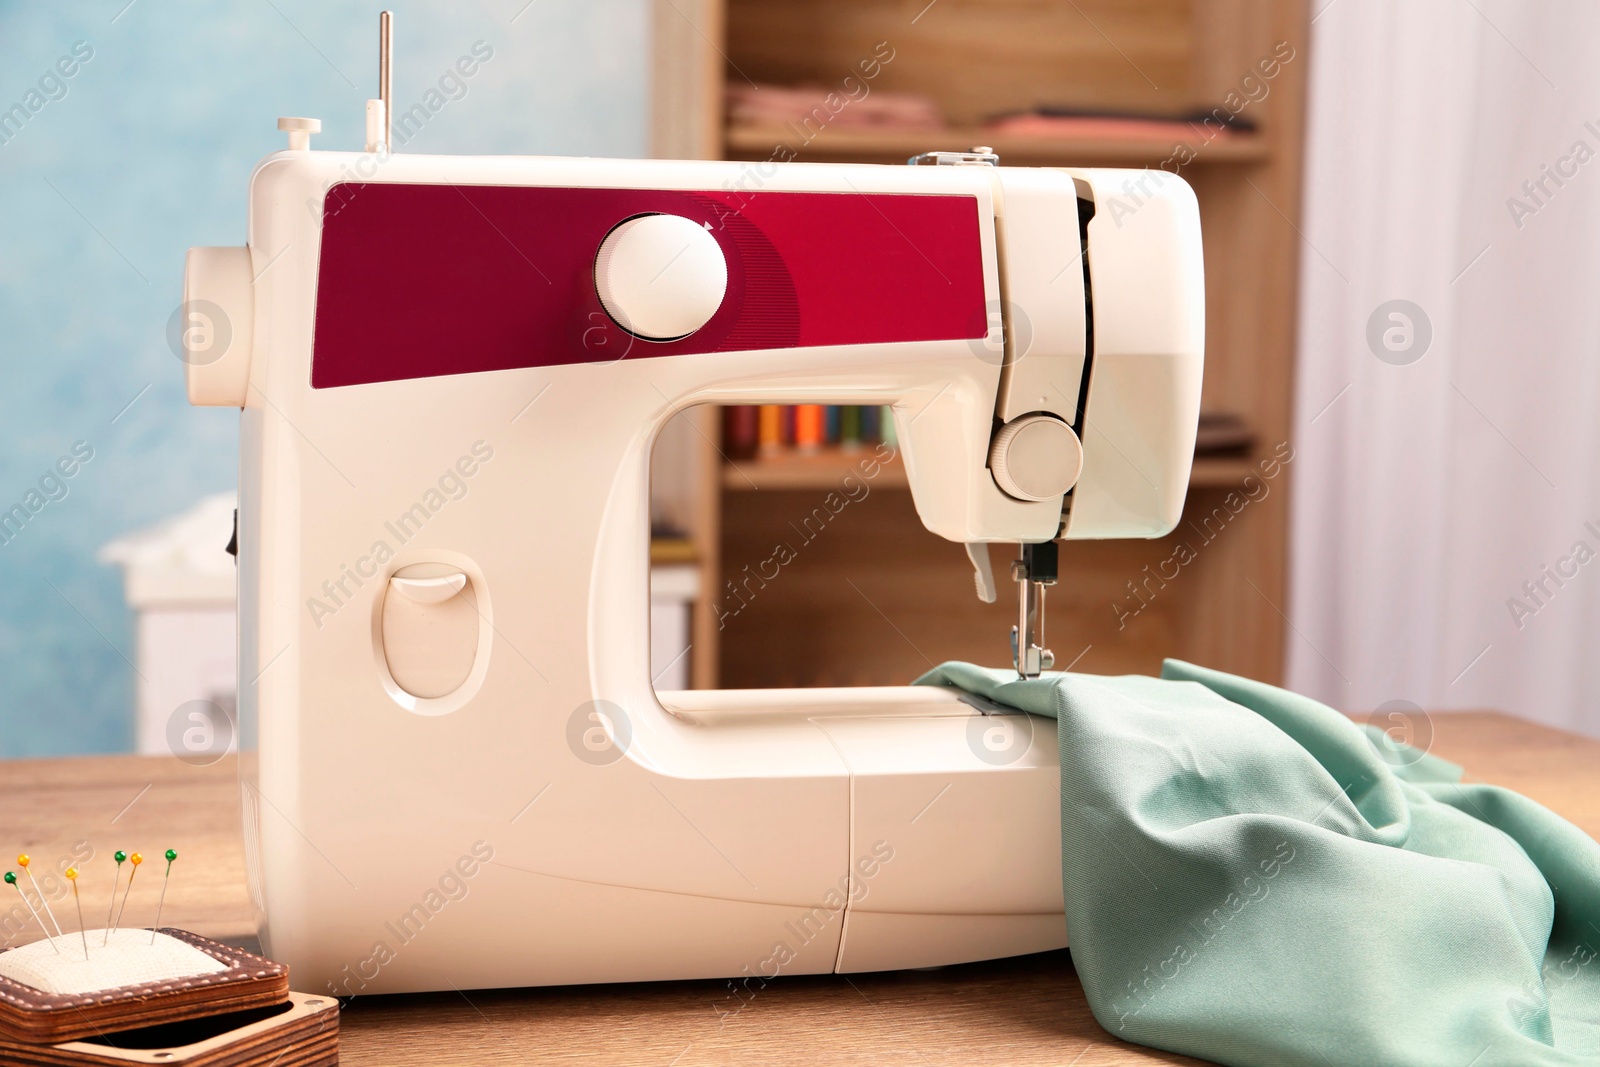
(660, 277)
(1036, 457)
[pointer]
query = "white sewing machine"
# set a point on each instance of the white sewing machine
(451, 371)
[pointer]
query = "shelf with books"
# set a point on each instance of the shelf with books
(674, 549)
(879, 145)
(995, 71)
(826, 468)
(752, 430)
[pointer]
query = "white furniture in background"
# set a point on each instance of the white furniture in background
(179, 581)
(673, 588)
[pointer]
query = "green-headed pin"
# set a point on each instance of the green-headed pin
(11, 879)
(171, 855)
(119, 856)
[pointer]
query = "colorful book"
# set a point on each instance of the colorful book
(850, 427)
(870, 422)
(769, 433)
(741, 430)
(809, 429)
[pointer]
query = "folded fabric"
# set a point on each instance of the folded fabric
(1253, 879)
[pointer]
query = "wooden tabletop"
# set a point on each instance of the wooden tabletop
(1022, 1011)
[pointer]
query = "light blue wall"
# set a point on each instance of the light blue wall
(147, 153)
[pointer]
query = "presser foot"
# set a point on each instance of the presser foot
(1038, 660)
(1034, 573)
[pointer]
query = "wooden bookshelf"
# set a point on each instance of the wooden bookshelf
(878, 599)
(844, 144)
(827, 468)
(669, 550)
(793, 469)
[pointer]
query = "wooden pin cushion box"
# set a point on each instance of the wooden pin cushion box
(175, 998)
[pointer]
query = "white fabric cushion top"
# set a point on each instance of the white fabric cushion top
(129, 959)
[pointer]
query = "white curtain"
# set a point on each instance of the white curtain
(1445, 541)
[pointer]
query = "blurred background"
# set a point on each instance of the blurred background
(143, 151)
(1394, 507)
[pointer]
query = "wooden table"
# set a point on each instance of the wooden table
(1021, 1011)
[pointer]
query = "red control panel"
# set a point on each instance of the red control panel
(417, 281)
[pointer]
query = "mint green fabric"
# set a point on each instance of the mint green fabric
(1253, 879)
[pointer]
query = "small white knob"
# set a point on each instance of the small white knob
(660, 277)
(299, 131)
(1035, 458)
(211, 330)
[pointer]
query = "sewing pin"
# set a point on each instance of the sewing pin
(72, 876)
(135, 859)
(23, 861)
(171, 855)
(119, 856)
(11, 879)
